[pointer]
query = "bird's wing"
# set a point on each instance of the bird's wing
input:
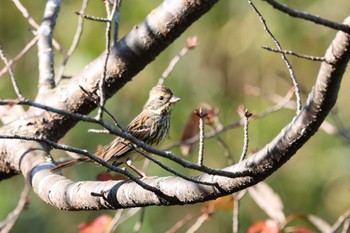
(114, 150)
(140, 128)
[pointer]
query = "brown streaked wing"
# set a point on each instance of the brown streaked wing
(141, 127)
(114, 150)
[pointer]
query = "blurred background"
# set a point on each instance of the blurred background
(227, 60)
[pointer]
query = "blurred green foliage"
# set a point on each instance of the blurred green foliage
(228, 58)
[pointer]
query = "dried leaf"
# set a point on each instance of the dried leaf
(221, 203)
(268, 201)
(191, 129)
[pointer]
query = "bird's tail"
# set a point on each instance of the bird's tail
(69, 163)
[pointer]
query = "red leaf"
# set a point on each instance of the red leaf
(99, 225)
(108, 176)
(269, 226)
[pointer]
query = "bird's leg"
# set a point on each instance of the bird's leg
(135, 169)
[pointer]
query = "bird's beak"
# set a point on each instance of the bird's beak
(174, 99)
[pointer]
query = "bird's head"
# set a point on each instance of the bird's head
(161, 100)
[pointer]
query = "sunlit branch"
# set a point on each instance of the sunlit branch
(45, 51)
(309, 17)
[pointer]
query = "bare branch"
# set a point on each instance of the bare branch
(20, 54)
(115, 221)
(190, 44)
(110, 15)
(236, 200)
(34, 24)
(12, 75)
(117, 22)
(45, 52)
(340, 221)
(12, 217)
(246, 116)
(284, 57)
(309, 17)
(93, 18)
(311, 58)
(201, 138)
(75, 42)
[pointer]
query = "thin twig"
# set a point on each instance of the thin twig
(103, 108)
(25, 13)
(34, 24)
(107, 6)
(20, 54)
(201, 138)
(308, 57)
(247, 115)
(171, 170)
(236, 199)
(111, 227)
(93, 18)
(75, 42)
(235, 215)
(191, 43)
(108, 48)
(340, 129)
(99, 131)
(117, 22)
(340, 221)
(198, 223)
(130, 213)
(284, 57)
(138, 224)
(8, 223)
(12, 74)
(309, 17)
(178, 225)
(226, 150)
(283, 102)
(346, 226)
(221, 142)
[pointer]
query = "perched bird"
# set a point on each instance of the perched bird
(150, 126)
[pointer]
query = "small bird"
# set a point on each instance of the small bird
(150, 126)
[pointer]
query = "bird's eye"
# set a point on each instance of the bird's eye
(161, 97)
